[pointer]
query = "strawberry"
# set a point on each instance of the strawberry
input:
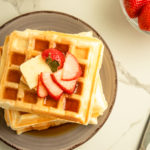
(54, 58)
(144, 17)
(41, 90)
(133, 7)
(67, 86)
(71, 69)
(53, 89)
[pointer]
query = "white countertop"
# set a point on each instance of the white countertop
(131, 52)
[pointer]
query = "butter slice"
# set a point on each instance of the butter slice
(32, 68)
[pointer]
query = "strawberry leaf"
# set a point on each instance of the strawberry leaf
(53, 64)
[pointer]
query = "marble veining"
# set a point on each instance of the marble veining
(19, 5)
(16, 4)
(130, 79)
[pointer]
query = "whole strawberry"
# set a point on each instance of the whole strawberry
(144, 17)
(133, 7)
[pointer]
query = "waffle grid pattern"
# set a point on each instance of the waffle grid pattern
(25, 45)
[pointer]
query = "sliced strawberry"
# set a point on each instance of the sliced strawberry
(144, 17)
(133, 7)
(71, 69)
(41, 90)
(67, 86)
(54, 58)
(53, 89)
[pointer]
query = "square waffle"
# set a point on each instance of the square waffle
(21, 46)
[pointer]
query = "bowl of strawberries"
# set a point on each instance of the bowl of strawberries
(137, 13)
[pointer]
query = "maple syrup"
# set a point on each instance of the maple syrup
(48, 101)
(54, 131)
(72, 105)
(30, 97)
(17, 59)
(10, 93)
(62, 47)
(14, 76)
(41, 45)
(78, 88)
(83, 69)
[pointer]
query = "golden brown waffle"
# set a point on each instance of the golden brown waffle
(23, 122)
(21, 46)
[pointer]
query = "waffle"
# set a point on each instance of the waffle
(22, 122)
(21, 46)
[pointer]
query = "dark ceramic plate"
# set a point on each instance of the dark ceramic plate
(75, 134)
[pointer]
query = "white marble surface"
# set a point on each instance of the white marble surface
(131, 52)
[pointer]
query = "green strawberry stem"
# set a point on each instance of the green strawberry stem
(53, 64)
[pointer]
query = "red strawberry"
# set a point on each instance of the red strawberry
(53, 89)
(144, 17)
(71, 69)
(133, 7)
(67, 86)
(41, 90)
(54, 58)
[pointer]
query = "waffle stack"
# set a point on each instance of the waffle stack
(24, 110)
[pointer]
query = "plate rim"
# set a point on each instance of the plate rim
(100, 37)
